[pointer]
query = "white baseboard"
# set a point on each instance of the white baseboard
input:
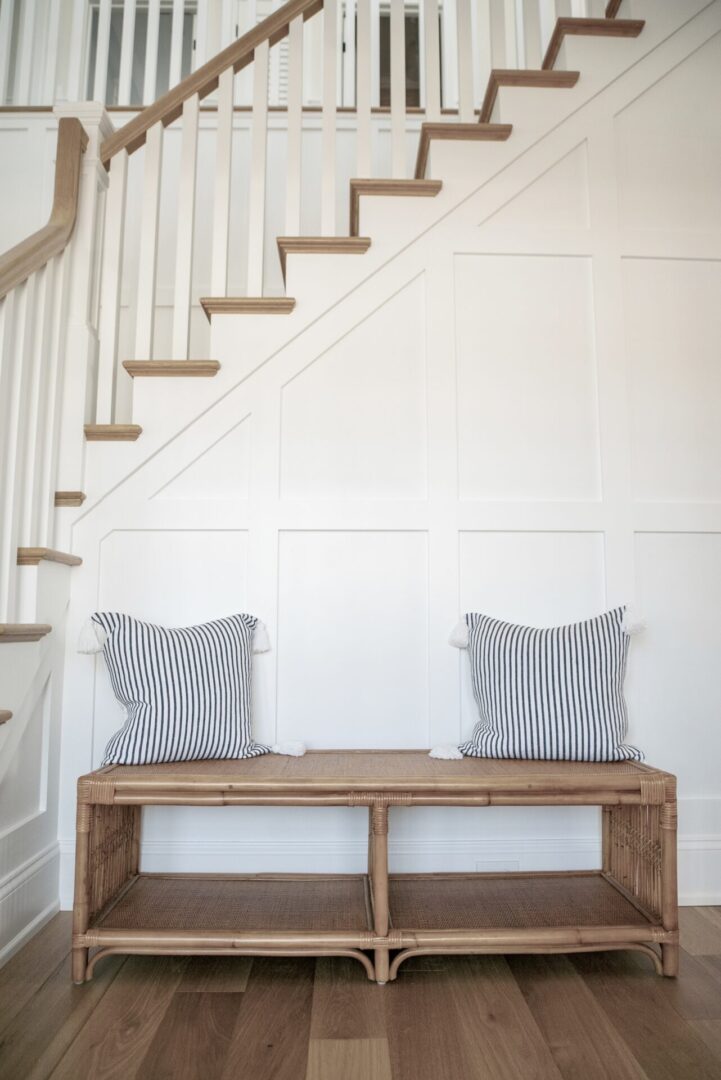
(28, 899)
(699, 858)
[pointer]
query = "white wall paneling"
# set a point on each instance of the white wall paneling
(491, 409)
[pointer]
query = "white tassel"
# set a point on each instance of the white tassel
(632, 623)
(459, 635)
(288, 749)
(92, 637)
(261, 641)
(446, 752)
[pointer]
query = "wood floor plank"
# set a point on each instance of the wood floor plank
(216, 974)
(710, 1032)
(467, 1021)
(113, 1043)
(33, 1044)
(24, 973)
(345, 1004)
(272, 1032)
(584, 1043)
(665, 1045)
(193, 1039)
(700, 930)
(696, 993)
(349, 1059)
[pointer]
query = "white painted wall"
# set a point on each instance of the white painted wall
(514, 410)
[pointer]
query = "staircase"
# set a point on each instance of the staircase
(94, 435)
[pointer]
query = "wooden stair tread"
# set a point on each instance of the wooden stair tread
(112, 432)
(627, 28)
(246, 305)
(193, 369)
(5, 715)
(32, 556)
(530, 77)
(321, 245)
(11, 633)
(70, 498)
(405, 188)
(474, 132)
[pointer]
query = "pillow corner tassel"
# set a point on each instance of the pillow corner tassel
(632, 623)
(446, 752)
(291, 748)
(261, 641)
(458, 636)
(92, 637)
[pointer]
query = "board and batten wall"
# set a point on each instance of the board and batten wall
(519, 413)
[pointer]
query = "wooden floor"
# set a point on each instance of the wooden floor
(588, 1017)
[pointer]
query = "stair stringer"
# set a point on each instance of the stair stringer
(321, 282)
(131, 504)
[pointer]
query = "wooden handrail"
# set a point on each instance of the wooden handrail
(203, 81)
(32, 254)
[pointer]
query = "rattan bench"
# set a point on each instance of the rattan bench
(377, 918)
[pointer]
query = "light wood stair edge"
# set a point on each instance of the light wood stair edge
(193, 369)
(626, 28)
(246, 305)
(70, 498)
(476, 131)
(112, 432)
(407, 188)
(33, 556)
(5, 715)
(12, 633)
(530, 77)
(320, 245)
(612, 8)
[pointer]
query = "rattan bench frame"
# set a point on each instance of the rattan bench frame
(639, 824)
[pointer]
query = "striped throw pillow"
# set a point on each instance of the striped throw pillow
(552, 694)
(187, 691)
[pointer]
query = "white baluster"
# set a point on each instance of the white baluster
(52, 384)
(520, 34)
(258, 154)
(201, 34)
(150, 77)
(432, 59)
(148, 258)
(126, 52)
(364, 161)
(102, 50)
(509, 33)
(484, 49)
(176, 43)
(398, 89)
(35, 427)
(51, 54)
(547, 18)
(375, 53)
(7, 16)
(110, 286)
(186, 229)
(465, 61)
(295, 127)
(347, 53)
(449, 67)
(221, 197)
(13, 406)
(579, 9)
(330, 42)
(77, 79)
(24, 91)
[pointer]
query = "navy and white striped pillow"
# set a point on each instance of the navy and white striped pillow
(187, 691)
(552, 694)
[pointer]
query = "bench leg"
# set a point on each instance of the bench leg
(670, 956)
(379, 881)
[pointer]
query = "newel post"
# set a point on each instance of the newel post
(82, 291)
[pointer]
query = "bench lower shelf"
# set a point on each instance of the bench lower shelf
(292, 914)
